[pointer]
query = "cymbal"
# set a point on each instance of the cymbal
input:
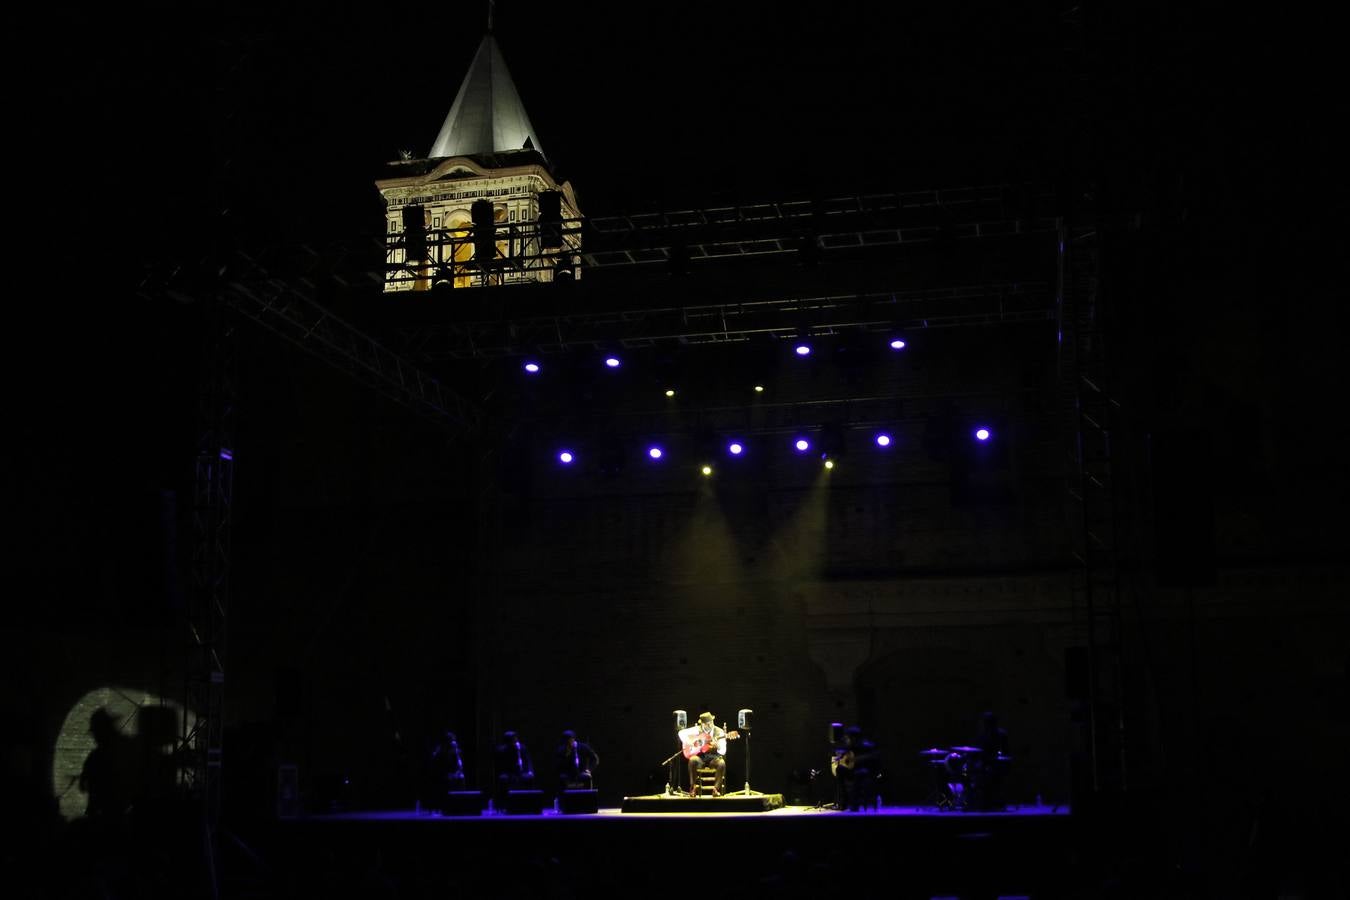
(1004, 757)
(933, 752)
(967, 750)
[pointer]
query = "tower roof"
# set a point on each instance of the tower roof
(487, 115)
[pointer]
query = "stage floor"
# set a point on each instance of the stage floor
(704, 807)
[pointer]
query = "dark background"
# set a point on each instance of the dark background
(389, 580)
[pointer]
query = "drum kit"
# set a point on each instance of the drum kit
(961, 775)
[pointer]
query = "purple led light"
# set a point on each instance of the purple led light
(565, 457)
(654, 452)
(883, 440)
(802, 445)
(735, 448)
(612, 362)
(897, 344)
(982, 434)
(532, 367)
(803, 350)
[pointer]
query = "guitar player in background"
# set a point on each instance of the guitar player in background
(705, 744)
(856, 766)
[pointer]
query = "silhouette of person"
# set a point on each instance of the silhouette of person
(515, 769)
(856, 766)
(159, 762)
(576, 761)
(445, 771)
(107, 776)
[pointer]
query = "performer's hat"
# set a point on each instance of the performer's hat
(705, 717)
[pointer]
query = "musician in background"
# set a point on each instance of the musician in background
(576, 761)
(515, 769)
(446, 770)
(705, 745)
(856, 767)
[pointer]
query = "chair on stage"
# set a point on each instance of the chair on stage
(707, 780)
(862, 793)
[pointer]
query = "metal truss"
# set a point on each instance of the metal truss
(803, 227)
(683, 237)
(451, 258)
(864, 279)
(914, 405)
(716, 323)
(208, 599)
(1092, 412)
(289, 308)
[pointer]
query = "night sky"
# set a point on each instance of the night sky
(233, 127)
(286, 117)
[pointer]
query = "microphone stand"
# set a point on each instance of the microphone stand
(674, 781)
(747, 792)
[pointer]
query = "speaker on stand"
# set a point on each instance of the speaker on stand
(744, 723)
(673, 778)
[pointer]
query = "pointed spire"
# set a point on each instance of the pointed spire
(487, 115)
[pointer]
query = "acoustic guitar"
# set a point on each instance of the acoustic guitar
(695, 745)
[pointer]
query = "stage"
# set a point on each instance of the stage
(683, 804)
(916, 851)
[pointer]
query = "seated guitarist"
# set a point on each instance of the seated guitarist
(704, 745)
(856, 767)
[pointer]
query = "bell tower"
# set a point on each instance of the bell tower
(484, 207)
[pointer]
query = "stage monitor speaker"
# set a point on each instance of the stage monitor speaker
(836, 735)
(578, 801)
(743, 718)
(523, 803)
(463, 803)
(681, 719)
